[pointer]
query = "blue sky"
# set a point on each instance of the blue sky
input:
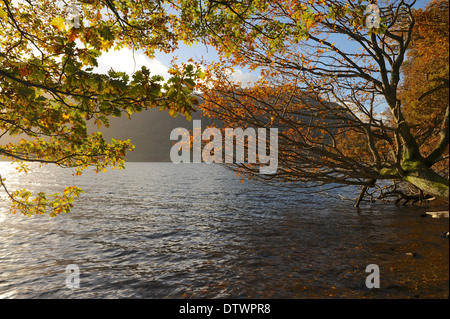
(129, 61)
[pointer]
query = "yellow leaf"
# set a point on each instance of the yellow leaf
(3, 14)
(59, 23)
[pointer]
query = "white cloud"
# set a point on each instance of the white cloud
(125, 61)
(246, 79)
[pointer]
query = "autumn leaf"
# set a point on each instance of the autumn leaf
(3, 14)
(327, 99)
(59, 23)
(51, 93)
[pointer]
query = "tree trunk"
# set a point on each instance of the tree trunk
(427, 180)
(361, 195)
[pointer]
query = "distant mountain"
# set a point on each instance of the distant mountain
(149, 131)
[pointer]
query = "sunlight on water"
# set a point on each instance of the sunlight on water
(8, 171)
(6, 167)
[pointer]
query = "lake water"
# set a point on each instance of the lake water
(160, 230)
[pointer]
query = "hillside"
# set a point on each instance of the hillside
(150, 132)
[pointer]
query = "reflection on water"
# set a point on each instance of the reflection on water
(159, 230)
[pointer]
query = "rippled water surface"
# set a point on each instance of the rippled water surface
(160, 230)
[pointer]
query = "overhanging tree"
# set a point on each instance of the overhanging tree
(48, 90)
(424, 90)
(326, 77)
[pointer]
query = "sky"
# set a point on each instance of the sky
(128, 61)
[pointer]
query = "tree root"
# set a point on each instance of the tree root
(401, 195)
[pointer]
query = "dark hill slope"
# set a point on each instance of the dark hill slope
(150, 132)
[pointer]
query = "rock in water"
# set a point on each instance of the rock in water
(441, 214)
